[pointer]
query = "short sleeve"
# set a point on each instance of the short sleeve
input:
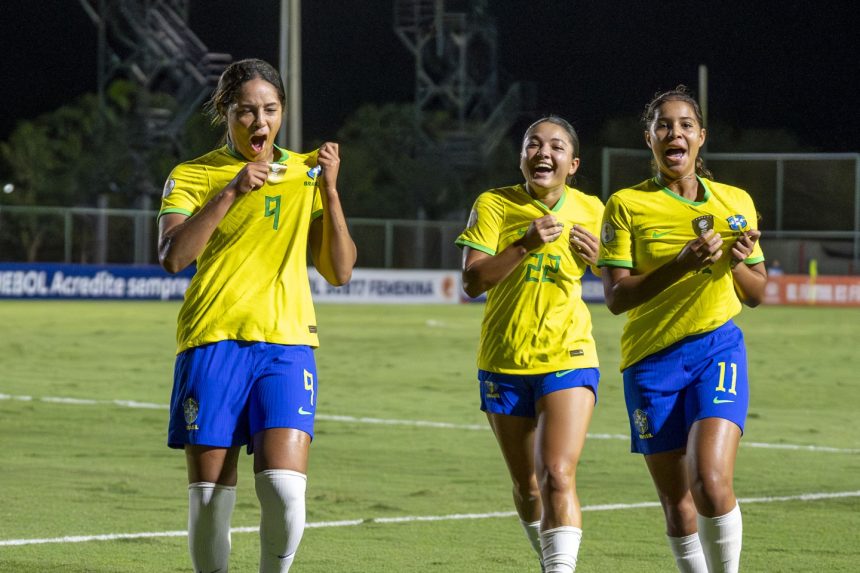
(185, 190)
(599, 210)
(616, 247)
(484, 225)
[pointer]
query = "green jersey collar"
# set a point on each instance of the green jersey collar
(232, 151)
(540, 205)
(665, 190)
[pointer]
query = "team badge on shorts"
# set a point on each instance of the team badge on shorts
(737, 222)
(640, 420)
(191, 409)
(703, 224)
(492, 389)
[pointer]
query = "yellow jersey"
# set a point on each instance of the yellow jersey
(645, 227)
(535, 320)
(251, 281)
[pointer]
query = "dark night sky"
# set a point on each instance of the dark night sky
(772, 64)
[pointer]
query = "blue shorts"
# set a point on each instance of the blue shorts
(517, 395)
(701, 376)
(225, 392)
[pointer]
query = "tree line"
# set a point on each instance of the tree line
(103, 152)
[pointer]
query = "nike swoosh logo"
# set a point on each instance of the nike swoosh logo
(563, 373)
(656, 235)
(304, 412)
(718, 401)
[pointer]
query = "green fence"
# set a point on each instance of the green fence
(809, 202)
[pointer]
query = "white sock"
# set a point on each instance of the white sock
(282, 517)
(533, 534)
(209, 509)
(560, 547)
(721, 540)
(688, 553)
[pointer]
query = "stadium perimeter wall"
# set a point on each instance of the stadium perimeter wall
(43, 281)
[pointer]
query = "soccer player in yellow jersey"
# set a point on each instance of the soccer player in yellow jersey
(528, 246)
(245, 371)
(680, 254)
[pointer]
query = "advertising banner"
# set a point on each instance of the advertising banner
(390, 286)
(813, 290)
(60, 281)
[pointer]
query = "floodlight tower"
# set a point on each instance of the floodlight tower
(456, 72)
(149, 42)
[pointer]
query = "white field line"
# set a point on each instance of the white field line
(408, 519)
(413, 423)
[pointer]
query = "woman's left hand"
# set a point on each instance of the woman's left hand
(329, 159)
(584, 244)
(744, 246)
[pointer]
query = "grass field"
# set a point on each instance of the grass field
(404, 475)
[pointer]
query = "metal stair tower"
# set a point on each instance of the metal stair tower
(456, 72)
(149, 42)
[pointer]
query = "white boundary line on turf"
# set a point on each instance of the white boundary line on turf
(413, 423)
(409, 519)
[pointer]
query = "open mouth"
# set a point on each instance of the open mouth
(542, 169)
(258, 142)
(675, 153)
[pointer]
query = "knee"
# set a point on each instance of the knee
(680, 513)
(280, 489)
(525, 488)
(558, 477)
(711, 490)
(678, 509)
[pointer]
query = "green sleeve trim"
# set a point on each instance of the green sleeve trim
(174, 210)
(614, 263)
(316, 214)
(754, 261)
(476, 246)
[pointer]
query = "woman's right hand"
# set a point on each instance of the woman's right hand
(541, 231)
(701, 252)
(250, 178)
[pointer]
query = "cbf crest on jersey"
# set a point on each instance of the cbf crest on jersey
(703, 224)
(314, 171)
(737, 222)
